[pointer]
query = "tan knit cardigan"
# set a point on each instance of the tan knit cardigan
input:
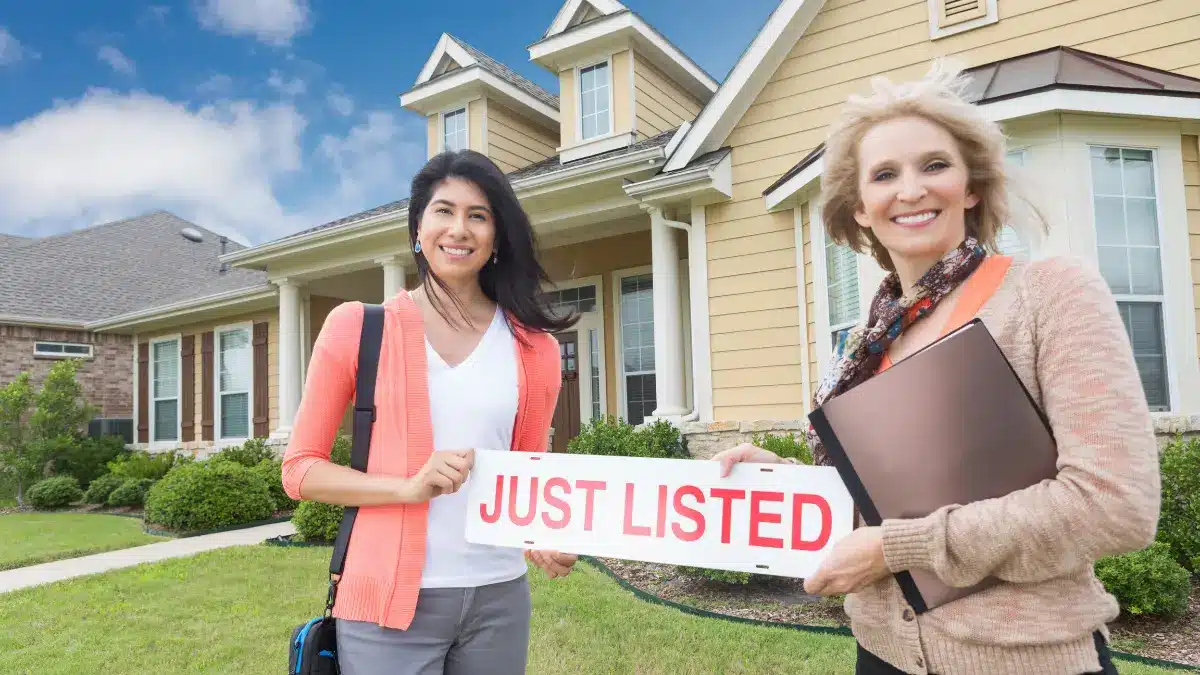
(1058, 324)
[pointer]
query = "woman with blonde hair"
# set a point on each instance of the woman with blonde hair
(915, 175)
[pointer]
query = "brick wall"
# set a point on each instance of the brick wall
(107, 378)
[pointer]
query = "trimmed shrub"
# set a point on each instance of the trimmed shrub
(1147, 582)
(271, 471)
(720, 576)
(208, 495)
(86, 458)
(1179, 465)
(55, 493)
(249, 454)
(316, 521)
(785, 445)
(615, 437)
(131, 493)
(100, 489)
(142, 464)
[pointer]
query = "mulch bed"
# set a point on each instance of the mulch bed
(783, 600)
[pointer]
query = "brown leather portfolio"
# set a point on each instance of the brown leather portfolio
(951, 424)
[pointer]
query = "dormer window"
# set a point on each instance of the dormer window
(454, 130)
(595, 100)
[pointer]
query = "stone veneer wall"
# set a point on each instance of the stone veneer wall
(707, 439)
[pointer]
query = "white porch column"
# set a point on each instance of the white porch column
(289, 355)
(393, 275)
(668, 321)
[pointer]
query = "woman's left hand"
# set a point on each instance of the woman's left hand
(854, 563)
(555, 564)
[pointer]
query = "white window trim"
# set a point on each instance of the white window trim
(821, 290)
(1170, 317)
(588, 321)
(156, 444)
(91, 350)
(612, 122)
(936, 31)
(465, 108)
(248, 326)
(619, 338)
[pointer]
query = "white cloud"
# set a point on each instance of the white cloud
(274, 22)
(219, 85)
(117, 60)
(287, 88)
(107, 156)
(341, 103)
(12, 51)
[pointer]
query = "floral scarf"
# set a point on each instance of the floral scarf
(860, 354)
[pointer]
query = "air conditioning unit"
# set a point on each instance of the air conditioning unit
(111, 426)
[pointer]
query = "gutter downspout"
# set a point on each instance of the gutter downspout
(698, 293)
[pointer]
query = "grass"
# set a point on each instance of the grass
(232, 611)
(32, 538)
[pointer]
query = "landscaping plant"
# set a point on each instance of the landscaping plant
(143, 464)
(249, 454)
(55, 492)
(316, 521)
(271, 471)
(1180, 513)
(102, 487)
(208, 495)
(132, 492)
(87, 458)
(1147, 582)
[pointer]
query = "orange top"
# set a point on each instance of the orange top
(386, 555)
(976, 290)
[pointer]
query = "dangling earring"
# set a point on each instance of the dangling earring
(495, 257)
(417, 248)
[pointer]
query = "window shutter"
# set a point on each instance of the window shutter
(206, 386)
(187, 402)
(262, 393)
(143, 415)
(954, 12)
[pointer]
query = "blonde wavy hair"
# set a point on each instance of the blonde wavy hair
(937, 97)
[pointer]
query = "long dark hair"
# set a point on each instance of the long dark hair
(513, 277)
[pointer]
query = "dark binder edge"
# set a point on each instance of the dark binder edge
(854, 484)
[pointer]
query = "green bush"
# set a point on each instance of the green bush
(720, 576)
(340, 454)
(131, 493)
(1179, 465)
(316, 521)
(1147, 582)
(208, 495)
(142, 464)
(270, 470)
(616, 437)
(55, 492)
(785, 445)
(86, 458)
(249, 454)
(100, 489)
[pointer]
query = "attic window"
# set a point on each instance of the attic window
(454, 130)
(950, 17)
(61, 350)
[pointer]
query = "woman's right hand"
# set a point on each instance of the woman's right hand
(745, 453)
(444, 473)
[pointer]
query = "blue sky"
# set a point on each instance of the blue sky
(255, 118)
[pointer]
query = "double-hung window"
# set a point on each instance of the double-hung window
(637, 347)
(841, 290)
(235, 378)
(1125, 207)
(594, 92)
(454, 130)
(1007, 239)
(164, 377)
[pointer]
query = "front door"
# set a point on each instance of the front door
(566, 413)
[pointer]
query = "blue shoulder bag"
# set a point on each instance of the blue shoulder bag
(313, 649)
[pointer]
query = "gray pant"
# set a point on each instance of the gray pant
(455, 631)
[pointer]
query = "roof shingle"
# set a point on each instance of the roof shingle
(508, 74)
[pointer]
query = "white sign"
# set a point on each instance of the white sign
(767, 519)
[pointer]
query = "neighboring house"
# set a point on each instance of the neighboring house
(678, 215)
(59, 297)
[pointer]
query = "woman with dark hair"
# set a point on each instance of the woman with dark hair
(468, 364)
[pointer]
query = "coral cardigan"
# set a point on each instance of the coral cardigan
(386, 555)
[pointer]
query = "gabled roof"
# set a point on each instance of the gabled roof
(14, 241)
(115, 268)
(453, 59)
(576, 12)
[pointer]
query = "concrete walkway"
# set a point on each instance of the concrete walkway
(58, 570)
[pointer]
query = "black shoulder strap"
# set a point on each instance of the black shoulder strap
(364, 417)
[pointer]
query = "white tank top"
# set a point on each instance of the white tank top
(472, 405)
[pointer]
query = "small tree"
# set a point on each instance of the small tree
(15, 453)
(60, 411)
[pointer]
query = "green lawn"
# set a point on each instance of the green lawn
(232, 611)
(31, 538)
